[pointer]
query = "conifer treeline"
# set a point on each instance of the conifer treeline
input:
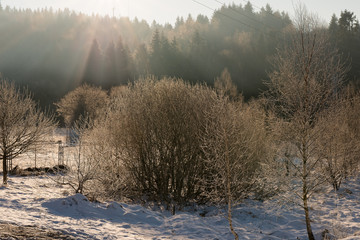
(52, 52)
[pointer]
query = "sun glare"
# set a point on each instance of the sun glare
(105, 7)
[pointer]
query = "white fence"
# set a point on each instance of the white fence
(55, 151)
(46, 155)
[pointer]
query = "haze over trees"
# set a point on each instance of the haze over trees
(345, 35)
(55, 51)
(164, 114)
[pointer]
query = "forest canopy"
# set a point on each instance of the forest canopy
(54, 51)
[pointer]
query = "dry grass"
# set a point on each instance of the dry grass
(12, 231)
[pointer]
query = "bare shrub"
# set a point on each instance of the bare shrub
(340, 142)
(163, 140)
(165, 120)
(152, 131)
(113, 178)
(83, 101)
(84, 168)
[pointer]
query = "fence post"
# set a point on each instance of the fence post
(35, 156)
(60, 153)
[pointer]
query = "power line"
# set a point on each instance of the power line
(234, 19)
(225, 15)
(245, 15)
(260, 8)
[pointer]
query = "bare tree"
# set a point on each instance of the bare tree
(234, 144)
(22, 124)
(85, 166)
(304, 85)
(339, 144)
(83, 101)
(225, 86)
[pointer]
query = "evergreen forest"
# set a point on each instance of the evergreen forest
(51, 52)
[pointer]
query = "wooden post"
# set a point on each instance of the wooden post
(60, 153)
(35, 155)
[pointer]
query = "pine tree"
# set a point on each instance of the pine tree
(141, 60)
(123, 60)
(349, 40)
(93, 70)
(156, 54)
(110, 61)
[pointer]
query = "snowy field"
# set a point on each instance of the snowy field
(39, 201)
(47, 154)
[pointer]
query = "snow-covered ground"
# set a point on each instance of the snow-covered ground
(41, 202)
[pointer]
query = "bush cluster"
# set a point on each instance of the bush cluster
(162, 140)
(171, 142)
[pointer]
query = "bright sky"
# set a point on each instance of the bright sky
(167, 10)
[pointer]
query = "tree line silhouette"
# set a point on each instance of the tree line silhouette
(54, 51)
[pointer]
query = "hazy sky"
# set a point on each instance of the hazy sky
(167, 10)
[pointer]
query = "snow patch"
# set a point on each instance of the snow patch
(41, 202)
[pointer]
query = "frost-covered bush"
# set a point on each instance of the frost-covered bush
(83, 101)
(156, 129)
(160, 140)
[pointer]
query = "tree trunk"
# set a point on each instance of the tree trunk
(5, 170)
(230, 220)
(228, 187)
(307, 219)
(305, 189)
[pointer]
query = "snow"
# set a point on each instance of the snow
(39, 201)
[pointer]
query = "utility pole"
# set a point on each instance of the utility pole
(113, 8)
(128, 9)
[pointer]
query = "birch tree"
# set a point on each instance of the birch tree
(308, 74)
(234, 144)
